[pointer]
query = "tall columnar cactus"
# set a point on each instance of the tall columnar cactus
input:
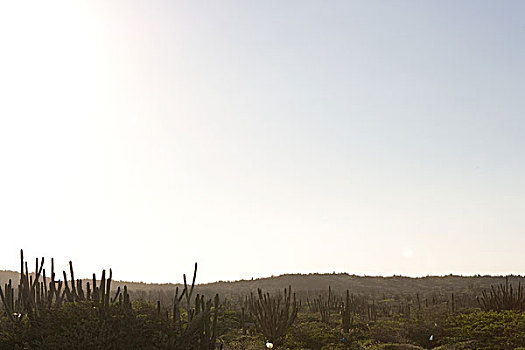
(11, 307)
(188, 292)
(201, 323)
(503, 297)
(124, 301)
(372, 312)
(176, 308)
(209, 326)
(30, 297)
(101, 295)
(242, 321)
(324, 306)
(36, 293)
(348, 311)
(55, 289)
(75, 292)
(30, 292)
(273, 315)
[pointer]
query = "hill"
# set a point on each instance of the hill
(306, 285)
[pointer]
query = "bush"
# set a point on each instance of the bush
(395, 347)
(388, 331)
(82, 326)
(488, 329)
(312, 335)
(420, 331)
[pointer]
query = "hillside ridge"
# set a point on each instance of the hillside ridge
(308, 284)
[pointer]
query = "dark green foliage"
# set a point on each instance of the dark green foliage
(488, 329)
(312, 335)
(309, 332)
(388, 331)
(227, 322)
(392, 346)
(426, 331)
(420, 330)
(80, 326)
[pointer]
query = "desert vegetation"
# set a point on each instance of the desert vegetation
(42, 311)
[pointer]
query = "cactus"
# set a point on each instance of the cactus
(124, 301)
(273, 315)
(503, 297)
(243, 321)
(30, 293)
(36, 293)
(188, 292)
(176, 308)
(209, 327)
(11, 308)
(55, 289)
(76, 292)
(348, 310)
(199, 328)
(101, 295)
(372, 313)
(325, 307)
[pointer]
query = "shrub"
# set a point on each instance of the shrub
(388, 331)
(312, 335)
(489, 329)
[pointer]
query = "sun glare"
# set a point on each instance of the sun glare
(51, 61)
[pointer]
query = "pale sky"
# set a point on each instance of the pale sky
(263, 137)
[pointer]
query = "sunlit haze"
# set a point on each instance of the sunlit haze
(263, 137)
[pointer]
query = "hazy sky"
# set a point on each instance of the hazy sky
(263, 137)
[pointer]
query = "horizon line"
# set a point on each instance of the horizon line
(478, 275)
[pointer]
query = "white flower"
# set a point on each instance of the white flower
(431, 338)
(269, 345)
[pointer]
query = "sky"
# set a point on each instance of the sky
(263, 137)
